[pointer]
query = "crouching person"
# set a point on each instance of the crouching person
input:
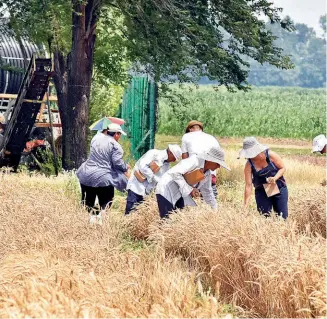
(147, 172)
(183, 182)
(103, 171)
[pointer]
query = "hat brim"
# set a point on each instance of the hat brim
(171, 149)
(121, 132)
(316, 149)
(193, 124)
(209, 158)
(253, 151)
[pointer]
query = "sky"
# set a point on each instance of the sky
(303, 11)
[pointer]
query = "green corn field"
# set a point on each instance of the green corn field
(269, 111)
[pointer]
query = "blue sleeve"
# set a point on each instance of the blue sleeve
(117, 159)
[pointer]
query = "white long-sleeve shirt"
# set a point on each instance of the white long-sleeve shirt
(197, 142)
(143, 166)
(173, 185)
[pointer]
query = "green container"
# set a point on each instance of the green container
(139, 110)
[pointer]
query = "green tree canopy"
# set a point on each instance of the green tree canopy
(177, 40)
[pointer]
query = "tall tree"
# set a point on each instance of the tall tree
(178, 40)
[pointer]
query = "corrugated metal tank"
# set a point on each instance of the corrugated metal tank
(12, 56)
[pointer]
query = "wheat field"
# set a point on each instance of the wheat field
(200, 263)
(262, 111)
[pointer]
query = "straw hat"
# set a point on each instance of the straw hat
(215, 154)
(192, 123)
(251, 148)
(319, 143)
(176, 150)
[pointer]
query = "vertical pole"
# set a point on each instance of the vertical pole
(52, 138)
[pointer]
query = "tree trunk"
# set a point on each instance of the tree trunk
(72, 80)
(60, 81)
(80, 66)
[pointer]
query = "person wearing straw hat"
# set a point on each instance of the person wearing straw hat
(264, 169)
(195, 141)
(103, 171)
(319, 144)
(147, 172)
(187, 179)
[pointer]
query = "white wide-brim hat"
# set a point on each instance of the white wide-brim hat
(116, 128)
(176, 150)
(251, 148)
(319, 143)
(214, 154)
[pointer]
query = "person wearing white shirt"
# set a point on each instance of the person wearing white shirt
(319, 144)
(174, 191)
(195, 141)
(147, 172)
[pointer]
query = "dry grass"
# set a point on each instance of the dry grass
(54, 264)
(308, 210)
(199, 263)
(270, 267)
(138, 223)
(263, 265)
(297, 173)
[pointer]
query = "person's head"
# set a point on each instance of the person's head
(194, 126)
(214, 158)
(115, 131)
(252, 148)
(319, 144)
(174, 152)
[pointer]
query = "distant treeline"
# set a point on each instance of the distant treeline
(307, 51)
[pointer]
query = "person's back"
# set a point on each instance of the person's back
(104, 164)
(144, 188)
(196, 142)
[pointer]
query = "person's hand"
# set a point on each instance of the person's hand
(128, 167)
(271, 180)
(195, 193)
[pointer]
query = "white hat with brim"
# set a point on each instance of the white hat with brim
(216, 155)
(116, 128)
(176, 150)
(319, 143)
(251, 148)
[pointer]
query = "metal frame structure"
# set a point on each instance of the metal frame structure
(27, 106)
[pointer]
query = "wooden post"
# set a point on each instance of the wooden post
(52, 138)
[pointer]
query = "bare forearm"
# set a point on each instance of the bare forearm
(247, 195)
(280, 173)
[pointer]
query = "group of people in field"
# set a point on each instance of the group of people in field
(177, 186)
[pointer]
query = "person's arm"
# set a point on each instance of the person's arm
(278, 162)
(248, 184)
(117, 159)
(206, 190)
(144, 166)
(177, 173)
(184, 147)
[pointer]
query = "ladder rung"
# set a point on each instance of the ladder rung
(32, 101)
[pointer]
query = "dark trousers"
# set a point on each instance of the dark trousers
(105, 196)
(133, 200)
(166, 207)
(277, 202)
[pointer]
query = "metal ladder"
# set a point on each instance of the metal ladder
(26, 108)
